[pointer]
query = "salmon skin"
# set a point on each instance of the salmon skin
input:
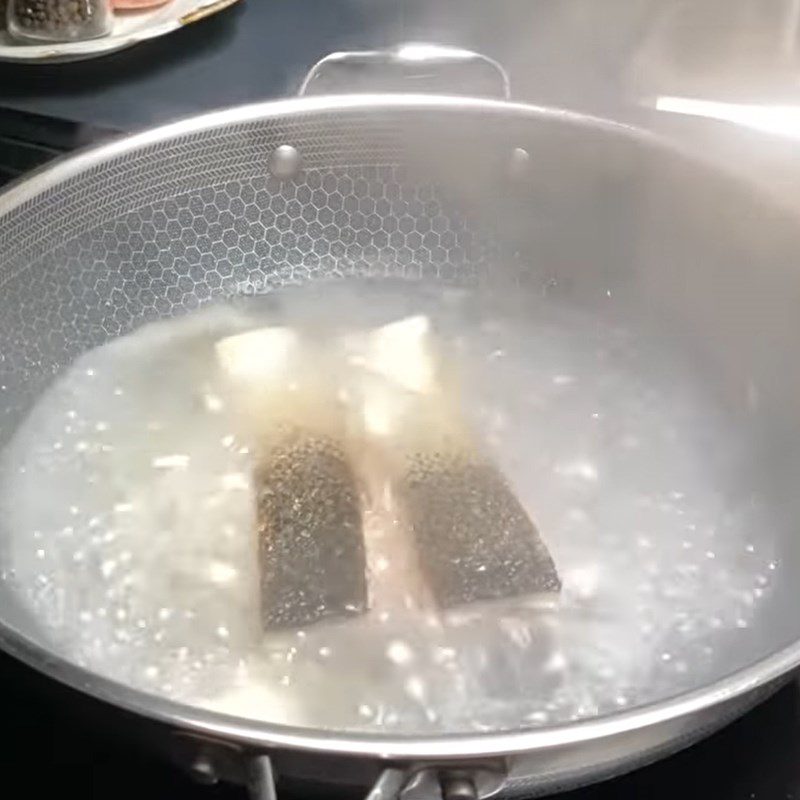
(310, 546)
(475, 542)
(308, 536)
(372, 492)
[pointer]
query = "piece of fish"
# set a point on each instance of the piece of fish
(475, 541)
(310, 545)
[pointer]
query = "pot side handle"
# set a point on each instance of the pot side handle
(412, 68)
(261, 782)
(415, 782)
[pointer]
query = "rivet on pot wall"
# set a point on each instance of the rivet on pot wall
(284, 161)
(457, 786)
(519, 165)
(203, 771)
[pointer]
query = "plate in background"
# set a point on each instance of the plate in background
(130, 28)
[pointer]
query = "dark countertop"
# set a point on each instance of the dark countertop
(569, 52)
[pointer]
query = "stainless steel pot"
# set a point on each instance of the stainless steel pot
(254, 198)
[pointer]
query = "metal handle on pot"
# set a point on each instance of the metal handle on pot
(389, 785)
(414, 782)
(261, 782)
(413, 68)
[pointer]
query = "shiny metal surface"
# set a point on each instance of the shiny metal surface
(285, 161)
(160, 223)
(388, 786)
(262, 779)
(411, 68)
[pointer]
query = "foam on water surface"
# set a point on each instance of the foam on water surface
(129, 502)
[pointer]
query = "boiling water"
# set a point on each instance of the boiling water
(130, 511)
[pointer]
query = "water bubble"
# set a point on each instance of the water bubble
(538, 717)
(173, 461)
(213, 403)
(582, 469)
(415, 687)
(235, 481)
(556, 663)
(222, 572)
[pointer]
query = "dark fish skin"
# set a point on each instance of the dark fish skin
(310, 544)
(476, 542)
(444, 528)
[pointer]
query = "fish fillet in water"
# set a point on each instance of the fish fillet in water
(309, 528)
(474, 539)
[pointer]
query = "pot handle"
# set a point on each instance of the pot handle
(261, 782)
(389, 785)
(412, 68)
(448, 782)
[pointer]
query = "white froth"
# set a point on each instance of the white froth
(131, 511)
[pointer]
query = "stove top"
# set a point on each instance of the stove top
(756, 758)
(29, 140)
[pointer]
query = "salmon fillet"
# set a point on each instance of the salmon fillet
(309, 540)
(475, 542)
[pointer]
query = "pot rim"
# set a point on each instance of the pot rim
(380, 746)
